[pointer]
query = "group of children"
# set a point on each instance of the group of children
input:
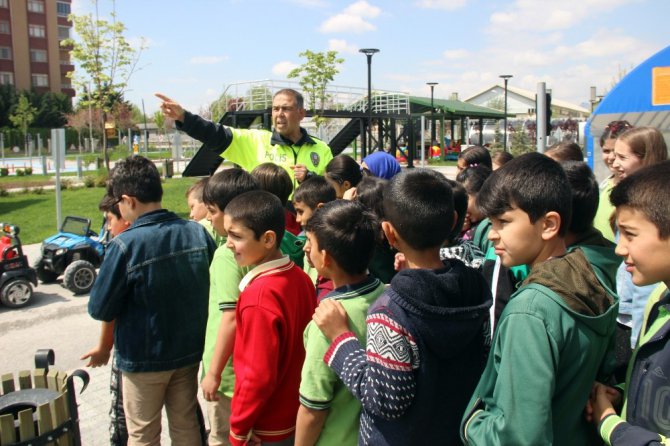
(329, 354)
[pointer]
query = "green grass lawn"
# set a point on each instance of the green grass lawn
(35, 213)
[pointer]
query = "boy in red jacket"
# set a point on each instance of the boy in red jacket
(276, 303)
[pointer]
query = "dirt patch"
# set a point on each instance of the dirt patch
(27, 184)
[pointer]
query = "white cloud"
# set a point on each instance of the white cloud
(342, 46)
(352, 20)
(456, 54)
(283, 68)
(532, 15)
(441, 4)
(207, 60)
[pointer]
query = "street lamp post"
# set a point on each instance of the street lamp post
(505, 77)
(369, 52)
(432, 112)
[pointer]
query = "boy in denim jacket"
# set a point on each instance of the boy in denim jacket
(154, 282)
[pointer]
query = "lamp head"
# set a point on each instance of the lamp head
(368, 51)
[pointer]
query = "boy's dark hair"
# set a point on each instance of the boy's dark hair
(565, 151)
(313, 191)
(417, 203)
(259, 211)
(196, 189)
(344, 168)
(225, 185)
(348, 231)
(646, 191)
(475, 156)
(473, 178)
(370, 193)
(501, 157)
(460, 207)
(274, 179)
(110, 204)
(585, 195)
(532, 182)
(136, 176)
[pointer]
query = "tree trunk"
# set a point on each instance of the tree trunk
(104, 140)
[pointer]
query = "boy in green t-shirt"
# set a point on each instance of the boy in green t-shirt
(225, 276)
(341, 237)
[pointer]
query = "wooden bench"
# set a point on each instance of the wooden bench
(40, 407)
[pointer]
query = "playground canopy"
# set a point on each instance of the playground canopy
(642, 98)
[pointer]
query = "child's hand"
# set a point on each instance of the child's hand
(210, 386)
(97, 357)
(601, 402)
(400, 262)
(331, 318)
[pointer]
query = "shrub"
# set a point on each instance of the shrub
(66, 183)
(20, 172)
(89, 181)
(28, 170)
(101, 181)
(38, 190)
(4, 171)
(3, 192)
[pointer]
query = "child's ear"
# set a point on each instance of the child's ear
(319, 205)
(269, 239)
(551, 225)
(390, 233)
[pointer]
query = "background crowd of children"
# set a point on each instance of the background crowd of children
(378, 306)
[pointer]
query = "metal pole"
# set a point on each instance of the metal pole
(541, 114)
(505, 77)
(432, 112)
(423, 141)
(146, 132)
(58, 141)
(369, 52)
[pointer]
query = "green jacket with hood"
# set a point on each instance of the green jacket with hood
(554, 338)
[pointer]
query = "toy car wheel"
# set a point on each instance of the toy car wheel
(44, 274)
(79, 276)
(16, 293)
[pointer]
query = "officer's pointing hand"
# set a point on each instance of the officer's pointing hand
(171, 108)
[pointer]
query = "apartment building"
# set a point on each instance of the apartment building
(30, 52)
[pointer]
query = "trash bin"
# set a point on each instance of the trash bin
(98, 163)
(168, 168)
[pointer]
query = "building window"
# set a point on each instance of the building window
(38, 56)
(62, 9)
(5, 52)
(4, 27)
(6, 78)
(63, 32)
(4, 3)
(36, 6)
(40, 80)
(37, 31)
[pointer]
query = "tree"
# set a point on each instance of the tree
(23, 116)
(521, 142)
(259, 97)
(106, 59)
(315, 74)
(79, 121)
(52, 109)
(496, 104)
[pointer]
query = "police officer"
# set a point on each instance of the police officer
(288, 145)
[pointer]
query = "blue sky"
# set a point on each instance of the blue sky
(195, 48)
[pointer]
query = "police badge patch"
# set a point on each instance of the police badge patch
(315, 158)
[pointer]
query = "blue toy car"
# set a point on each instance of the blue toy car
(75, 252)
(16, 276)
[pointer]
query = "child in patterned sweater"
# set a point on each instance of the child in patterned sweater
(427, 334)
